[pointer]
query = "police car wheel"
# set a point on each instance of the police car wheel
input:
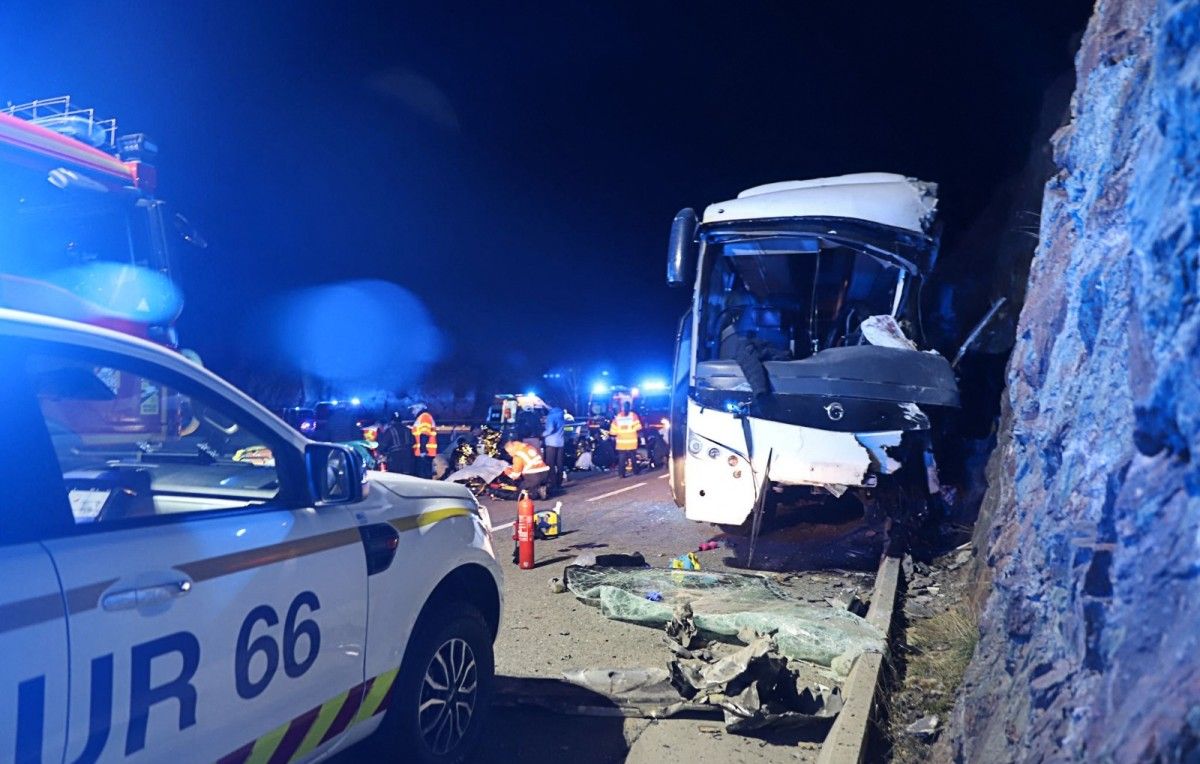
(444, 687)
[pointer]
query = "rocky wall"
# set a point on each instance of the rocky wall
(1090, 631)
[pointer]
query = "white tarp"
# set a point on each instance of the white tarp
(484, 467)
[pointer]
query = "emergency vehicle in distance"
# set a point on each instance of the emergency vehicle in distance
(794, 373)
(651, 401)
(220, 589)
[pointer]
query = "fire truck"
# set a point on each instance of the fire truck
(651, 400)
(84, 236)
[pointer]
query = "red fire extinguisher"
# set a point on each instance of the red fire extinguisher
(524, 532)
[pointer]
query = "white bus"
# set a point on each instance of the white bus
(798, 371)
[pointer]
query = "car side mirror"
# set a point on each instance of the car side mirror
(681, 252)
(336, 474)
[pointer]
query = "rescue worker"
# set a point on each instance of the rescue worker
(528, 470)
(396, 443)
(424, 432)
(552, 439)
(624, 429)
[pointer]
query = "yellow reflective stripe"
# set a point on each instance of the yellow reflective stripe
(265, 746)
(429, 517)
(323, 722)
(379, 690)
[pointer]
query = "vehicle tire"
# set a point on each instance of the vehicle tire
(443, 693)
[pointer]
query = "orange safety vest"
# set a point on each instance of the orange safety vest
(424, 426)
(625, 428)
(527, 460)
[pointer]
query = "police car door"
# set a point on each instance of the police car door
(33, 618)
(213, 616)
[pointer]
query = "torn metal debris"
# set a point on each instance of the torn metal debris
(753, 686)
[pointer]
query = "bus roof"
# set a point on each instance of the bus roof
(876, 197)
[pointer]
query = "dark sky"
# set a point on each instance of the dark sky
(523, 163)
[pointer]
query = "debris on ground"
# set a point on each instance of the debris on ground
(924, 729)
(630, 687)
(851, 603)
(754, 686)
(934, 649)
(688, 561)
(611, 560)
(728, 607)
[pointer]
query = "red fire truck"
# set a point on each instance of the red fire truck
(82, 235)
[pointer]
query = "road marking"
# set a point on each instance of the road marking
(664, 477)
(619, 490)
(509, 524)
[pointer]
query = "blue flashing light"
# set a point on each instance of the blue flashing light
(599, 388)
(335, 401)
(654, 386)
(530, 393)
(355, 401)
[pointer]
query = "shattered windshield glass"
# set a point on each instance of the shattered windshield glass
(794, 293)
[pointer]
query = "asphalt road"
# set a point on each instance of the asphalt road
(544, 633)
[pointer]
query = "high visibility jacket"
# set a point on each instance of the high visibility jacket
(625, 428)
(528, 460)
(424, 427)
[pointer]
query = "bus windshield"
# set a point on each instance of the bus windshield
(795, 293)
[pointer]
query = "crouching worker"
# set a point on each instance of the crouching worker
(528, 471)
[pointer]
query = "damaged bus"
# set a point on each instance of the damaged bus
(798, 373)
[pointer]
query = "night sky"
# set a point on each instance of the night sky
(520, 165)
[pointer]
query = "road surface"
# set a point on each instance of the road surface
(544, 633)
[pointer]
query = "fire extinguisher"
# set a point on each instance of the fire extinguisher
(523, 535)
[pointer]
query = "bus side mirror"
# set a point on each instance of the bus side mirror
(681, 253)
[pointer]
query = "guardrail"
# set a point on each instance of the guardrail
(846, 742)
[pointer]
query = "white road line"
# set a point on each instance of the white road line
(509, 524)
(614, 493)
(664, 477)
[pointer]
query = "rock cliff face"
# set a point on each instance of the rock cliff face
(1090, 636)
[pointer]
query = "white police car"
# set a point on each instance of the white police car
(185, 578)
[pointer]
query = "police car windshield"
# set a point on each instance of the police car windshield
(119, 434)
